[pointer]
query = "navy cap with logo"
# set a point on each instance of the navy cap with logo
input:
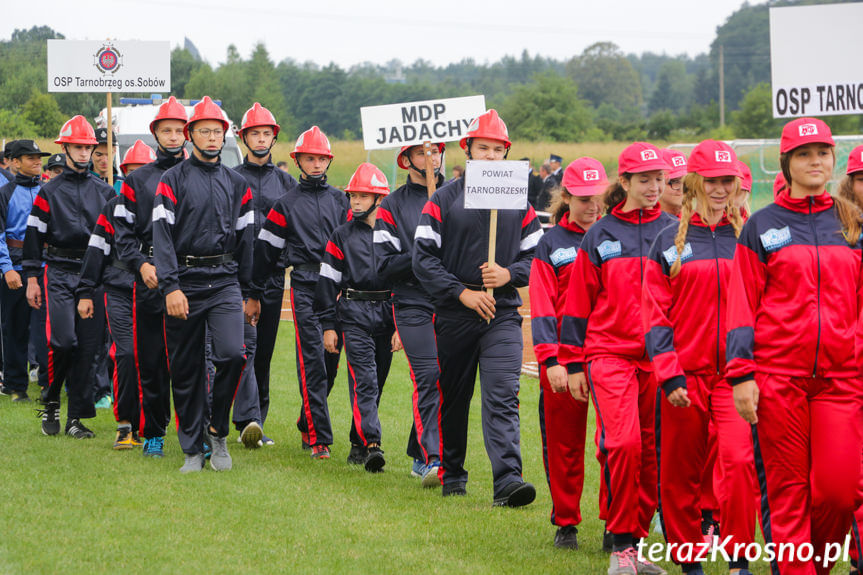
(555, 158)
(56, 161)
(102, 135)
(20, 148)
(7, 151)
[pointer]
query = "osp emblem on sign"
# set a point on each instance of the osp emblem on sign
(108, 59)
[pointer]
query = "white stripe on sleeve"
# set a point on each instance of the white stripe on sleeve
(383, 237)
(271, 238)
(329, 271)
(427, 233)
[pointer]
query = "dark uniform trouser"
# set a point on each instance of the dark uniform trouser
(268, 329)
(247, 405)
(416, 330)
(152, 361)
(312, 368)
(369, 358)
(16, 329)
(465, 343)
(219, 311)
(72, 342)
(120, 315)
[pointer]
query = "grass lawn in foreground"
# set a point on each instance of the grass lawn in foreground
(79, 507)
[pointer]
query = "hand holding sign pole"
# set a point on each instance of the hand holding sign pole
(430, 175)
(500, 185)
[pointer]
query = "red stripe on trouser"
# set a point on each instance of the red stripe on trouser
(418, 421)
(734, 482)
(565, 434)
(683, 463)
(625, 396)
(142, 420)
(307, 409)
(440, 470)
(168, 361)
(355, 405)
(707, 497)
(809, 444)
(48, 328)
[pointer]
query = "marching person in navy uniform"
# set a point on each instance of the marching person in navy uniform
(133, 238)
(16, 201)
(351, 294)
(203, 225)
(259, 132)
(63, 215)
(575, 207)
(299, 224)
(413, 309)
(475, 329)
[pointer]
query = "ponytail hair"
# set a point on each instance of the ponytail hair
(847, 210)
(558, 207)
(615, 193)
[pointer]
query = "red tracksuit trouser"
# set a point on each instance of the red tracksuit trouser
(564, 431)
(807, 449)
(624, 395)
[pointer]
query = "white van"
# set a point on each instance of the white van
(131, 121)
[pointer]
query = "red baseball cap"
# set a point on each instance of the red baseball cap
(677, 161)
(855, 161)
(640, 157)
(745, 176)
(713, 159)
(779, 184)
(804, 131)
(585, 177)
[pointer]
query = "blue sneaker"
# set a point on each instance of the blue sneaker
(208, 451)
(430, 477)
(419, 468)
(154, 447)
(104, 402)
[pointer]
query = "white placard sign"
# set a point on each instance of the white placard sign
(412, 123)
(496, 185)
(108, 66)
(806, 80)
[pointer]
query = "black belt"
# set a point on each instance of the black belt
(68, 253)
(121, 265)
(358, 295)
(308, 268)
(204, 261)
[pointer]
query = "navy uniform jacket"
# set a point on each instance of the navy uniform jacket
(97, 268)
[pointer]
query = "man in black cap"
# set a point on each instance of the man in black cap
(54, 166)
(16, 201)
(101, 159)
(534, 185)
(6, 174)
(556, 171)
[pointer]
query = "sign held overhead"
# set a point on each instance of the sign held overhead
(108, 66)
(413, 123)
(500, 185)
(804, 81)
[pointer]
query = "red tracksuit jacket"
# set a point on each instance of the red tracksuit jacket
(550, 273)
(795, 297)
(684, 316)
(602, 314)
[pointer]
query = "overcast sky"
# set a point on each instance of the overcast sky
(348, 32)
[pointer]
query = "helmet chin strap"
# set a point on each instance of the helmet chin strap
(259, 153)
(358, 216)
(468, 154)
(209, 154)
(422, 172)
(313, 179)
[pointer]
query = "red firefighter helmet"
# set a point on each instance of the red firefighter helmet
(139, 153)
(257, 116)
(312, 141)
(77, 130)
(206, 109)
(402, 159)
(368, 178)
(170, 110)
(488, 125)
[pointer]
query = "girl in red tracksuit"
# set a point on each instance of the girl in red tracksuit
(794, 303)
(563, 420)
(602, 336)
(684, 307)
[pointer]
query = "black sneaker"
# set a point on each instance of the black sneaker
(358, 454)
(76, 429)
(5, 390)
(516, 494)
(566, 537)
(375, 459)
(20, 397)
(453, 489)
(50, 415)
(607, 541)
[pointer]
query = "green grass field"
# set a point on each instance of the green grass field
(78, 507)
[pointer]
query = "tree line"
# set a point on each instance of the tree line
(600, 94)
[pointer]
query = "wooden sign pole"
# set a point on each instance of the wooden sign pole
(492, 246)
(110, 144)
(430, 175)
